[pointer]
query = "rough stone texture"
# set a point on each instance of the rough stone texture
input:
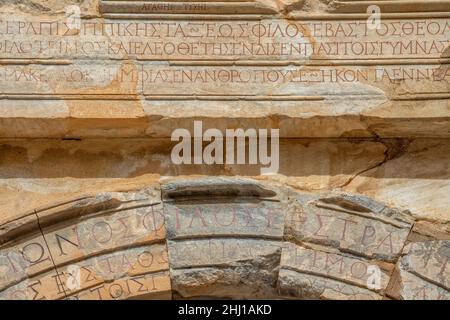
(293, 284)
(350, 223)
(226, 238)
(348, 269)
(87, 181)
(220, 237)
(112, 239)
(120, 81)
(422, 272)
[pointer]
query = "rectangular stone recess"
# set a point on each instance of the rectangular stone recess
(264, 7)
(368, 232)
(185, 7)
(350, 273)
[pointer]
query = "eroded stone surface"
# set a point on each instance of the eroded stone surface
(258, 219)
(88, 106)
(147, 286)
(240, 268)
(122, 267)
(300, 63)
(93, 245)
(341, 267)
(307, 286)
(411, 287)
(353, 224)
(226, 237)
(24, 258)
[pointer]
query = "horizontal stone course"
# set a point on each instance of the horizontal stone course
(252, 240)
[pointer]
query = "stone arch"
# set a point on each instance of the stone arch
(222, 238)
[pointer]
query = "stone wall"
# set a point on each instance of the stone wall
(93, 207)
(223, 238)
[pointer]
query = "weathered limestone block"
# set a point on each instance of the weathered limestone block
(215, 186)
(138, 266)
(44, 7)
(11, 229)
(423, 231)
(221, 234)
(220, 252)
(293, 284)
(148, 286)
(93, 207)
(240, 218)
(422, 272)
(429, 259)
(233, 268)
(99, 159)
(320, 272)
(90, 247)
(412, 287)
(23, 258)
(142, 80)
(45, 286)
(417, 179)
(350, 223)
(226, 238)
(138, 272)
(312, 68)
(105, 233)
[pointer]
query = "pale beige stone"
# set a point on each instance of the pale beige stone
(350, 270)
(87, 109)
(415, 180)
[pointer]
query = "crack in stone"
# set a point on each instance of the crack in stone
(395, 148)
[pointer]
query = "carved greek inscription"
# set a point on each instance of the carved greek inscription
(131, 262)
(198, 253)
(366, 235)
(25, 37)
(429, 260)
(261, 218)
(97, 234)
(146, 286)
(294, 284)
(23, 259)
(155, 79)
(330, 265)
(46, 286)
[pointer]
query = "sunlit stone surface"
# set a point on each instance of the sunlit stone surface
(93, 207)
